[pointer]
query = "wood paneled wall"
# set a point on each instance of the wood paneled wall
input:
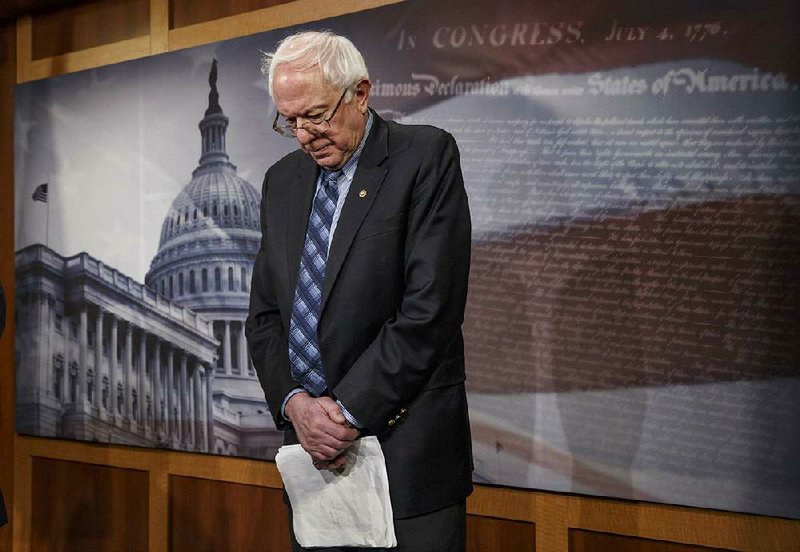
(7, 80)
(183, 13)
(79, 496)
(78, 506)
(88, 26)
(250, 516)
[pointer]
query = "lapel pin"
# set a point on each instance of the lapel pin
(362, 193)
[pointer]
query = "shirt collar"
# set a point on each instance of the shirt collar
(349, 168)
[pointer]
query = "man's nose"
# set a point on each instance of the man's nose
(303, 136)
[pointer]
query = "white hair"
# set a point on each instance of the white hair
(338, 60)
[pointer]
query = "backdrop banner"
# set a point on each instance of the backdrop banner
(633, 171)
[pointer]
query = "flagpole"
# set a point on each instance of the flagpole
(47, 216)
(41, 194)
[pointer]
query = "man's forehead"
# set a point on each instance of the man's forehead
(305, 86)
(286, 73)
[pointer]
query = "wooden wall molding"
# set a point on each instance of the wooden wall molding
(551, 515)
(711, 528)
(125, 50)
(275, 17)
(159, 26)
(24, 48)
(163, 39)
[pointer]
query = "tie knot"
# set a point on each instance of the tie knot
(329, 178)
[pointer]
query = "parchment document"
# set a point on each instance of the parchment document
(347, 508)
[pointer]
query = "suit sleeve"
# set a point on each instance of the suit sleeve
(425, 335)
(266, 337)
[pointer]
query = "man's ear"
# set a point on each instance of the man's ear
(363, 89)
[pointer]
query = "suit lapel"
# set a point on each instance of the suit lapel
(368, 178)
(301, 196)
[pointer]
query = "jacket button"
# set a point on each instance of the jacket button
(403, 411)
(392, 422)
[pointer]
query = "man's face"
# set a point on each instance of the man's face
(300, 95)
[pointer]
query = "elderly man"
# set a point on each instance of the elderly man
(359, 288)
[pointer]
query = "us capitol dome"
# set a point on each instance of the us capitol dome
(209, 240)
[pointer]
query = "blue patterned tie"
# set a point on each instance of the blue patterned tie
(304, 354)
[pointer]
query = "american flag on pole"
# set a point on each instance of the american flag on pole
(40, 194)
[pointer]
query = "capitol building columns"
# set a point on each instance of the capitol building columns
(170, 422)
(44, 313)
(233, 343)
(83, 327)
(145, 397)
(139, 406)
(242, 350)
(191, 436)
(197, 412)
(209, 381)
(148, 392)
(46, 378)
(182, 402)
(140, 399)
(157, 388)
(112, 369)
(226, 349)
(98, 361)
(127, 364)
(164, 390)
(93, 342)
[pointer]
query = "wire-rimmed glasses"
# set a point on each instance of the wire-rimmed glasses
(313, 125)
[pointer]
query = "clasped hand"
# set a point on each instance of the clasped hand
(322, 429)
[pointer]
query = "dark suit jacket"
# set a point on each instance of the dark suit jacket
(392, 306)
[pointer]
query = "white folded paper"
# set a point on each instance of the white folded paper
(350, 508)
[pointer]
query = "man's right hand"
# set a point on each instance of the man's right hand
(321, 428)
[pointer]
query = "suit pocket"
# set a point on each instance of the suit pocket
(379, 227)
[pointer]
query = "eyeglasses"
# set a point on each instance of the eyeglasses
(313, 125)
